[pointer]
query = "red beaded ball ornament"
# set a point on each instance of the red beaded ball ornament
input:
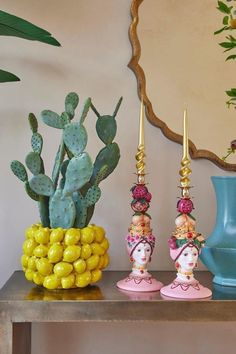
(185, 206)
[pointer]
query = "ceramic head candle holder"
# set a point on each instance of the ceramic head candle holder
(140, 241)
(185, 243)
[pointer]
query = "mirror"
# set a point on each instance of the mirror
(179, 64)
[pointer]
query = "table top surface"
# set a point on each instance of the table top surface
(17, 288)
(22, 299)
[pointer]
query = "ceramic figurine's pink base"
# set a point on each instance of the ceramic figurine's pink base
(135, 283)
(140, 295)
(186, 290)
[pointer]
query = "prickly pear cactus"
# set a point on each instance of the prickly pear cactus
(73, 188)
(67, 200)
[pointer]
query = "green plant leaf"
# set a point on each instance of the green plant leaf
(226, 20)
(233, 56)
(222, 29)
(6, 76)
(228, 45)
(231, 39)
(11, 25)
(222, 7)
(231, 93)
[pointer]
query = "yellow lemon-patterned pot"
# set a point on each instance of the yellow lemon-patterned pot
(64, 259)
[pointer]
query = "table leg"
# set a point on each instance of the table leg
(22, 338)
(6, 332)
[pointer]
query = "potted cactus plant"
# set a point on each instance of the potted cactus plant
(64, 250)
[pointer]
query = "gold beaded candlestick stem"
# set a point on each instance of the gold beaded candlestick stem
(185, 243)
(140, 241)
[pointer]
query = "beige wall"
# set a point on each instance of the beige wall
(188, 69)
(93, 62)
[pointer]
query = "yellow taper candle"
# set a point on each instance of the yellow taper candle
(185, 137)
(140, 165)
(185, 170)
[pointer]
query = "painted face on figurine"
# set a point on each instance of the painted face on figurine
(188, 258)
(142, 253)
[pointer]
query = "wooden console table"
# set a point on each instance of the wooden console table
(22, 303)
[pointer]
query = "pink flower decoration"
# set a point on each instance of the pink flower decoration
(140, 206)
(148, 197)
(139, 191)
(172, 243)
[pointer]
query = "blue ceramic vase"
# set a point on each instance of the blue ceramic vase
(219, 253)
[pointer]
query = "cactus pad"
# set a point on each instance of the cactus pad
(52, 119)
(106, 129)
(58, 162)
(84, 113)
(101, 175)
(44, 210)
(37, 143)
(71, 102)
(42, 185)
(81, 209)
(92, 195)
(33, 123)
(108, 156)
(75, 137)
(63, 173)
(19, 170)
(64, 167)
(79, 171)
(33, 162)
(30, 192)
(61, 210)
(117, 107)
(65, 119)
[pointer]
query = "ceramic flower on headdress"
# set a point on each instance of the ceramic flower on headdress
(140, 241)
(185, 242)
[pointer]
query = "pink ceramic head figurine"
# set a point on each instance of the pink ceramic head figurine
(140, 242)
(185, 243)
(185, 246)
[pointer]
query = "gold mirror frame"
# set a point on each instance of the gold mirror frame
(151, 116)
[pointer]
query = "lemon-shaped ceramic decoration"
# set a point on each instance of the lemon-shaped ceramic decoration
(64, 258)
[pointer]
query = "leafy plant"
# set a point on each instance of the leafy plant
(11, 25)
(67, 199)
(229, 22)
